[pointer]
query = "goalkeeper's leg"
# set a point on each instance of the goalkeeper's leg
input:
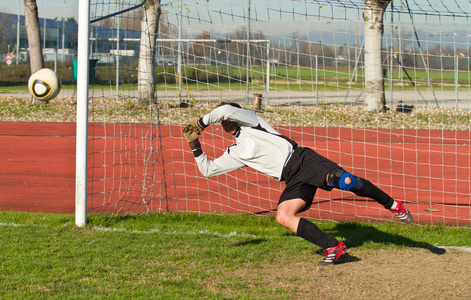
(286, 216)
(343, 180)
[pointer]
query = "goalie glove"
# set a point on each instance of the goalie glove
(191, 135)
(197, 127)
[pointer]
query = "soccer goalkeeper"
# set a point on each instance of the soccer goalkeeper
(259, 146)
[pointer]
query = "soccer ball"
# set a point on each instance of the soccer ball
(44, 84)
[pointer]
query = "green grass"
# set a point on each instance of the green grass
(173, 255)
(24, 88)
(282, 78)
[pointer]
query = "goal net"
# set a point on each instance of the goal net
(304, 62)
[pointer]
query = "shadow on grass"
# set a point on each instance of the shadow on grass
(250, 242)
(356, 234)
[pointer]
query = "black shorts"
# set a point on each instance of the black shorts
(305, 171)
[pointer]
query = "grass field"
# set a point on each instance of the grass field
(281, 77)
(202, 256)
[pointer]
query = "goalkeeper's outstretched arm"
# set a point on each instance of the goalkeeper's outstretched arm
(208, 168)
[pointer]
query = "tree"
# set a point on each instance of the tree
(34, 35)
(146, 73)
(71, 19)
(3, 32)
(33, 32)
(373, 28)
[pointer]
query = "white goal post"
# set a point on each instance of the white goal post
(82, 114)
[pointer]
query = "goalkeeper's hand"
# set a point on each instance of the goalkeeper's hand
(190, 133)
(196, 126)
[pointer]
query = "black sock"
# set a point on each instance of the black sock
(311, 233)
(371, 191)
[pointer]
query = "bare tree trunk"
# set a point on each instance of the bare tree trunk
(373, 28)
(34, 35)
(146, 72)
(33, 32)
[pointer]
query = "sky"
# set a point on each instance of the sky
(316, 19)
(57, 8)
(203, 13)
(46, 8)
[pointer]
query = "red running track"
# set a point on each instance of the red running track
(428, 169)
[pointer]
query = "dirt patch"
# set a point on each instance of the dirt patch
(371, 274)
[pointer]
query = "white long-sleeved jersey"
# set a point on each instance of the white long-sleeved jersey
(258, 145)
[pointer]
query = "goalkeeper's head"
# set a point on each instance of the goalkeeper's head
(229, 126)
(229, 103)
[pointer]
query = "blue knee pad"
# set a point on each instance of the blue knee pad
(337, 179)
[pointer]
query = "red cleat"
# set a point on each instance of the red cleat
(402, 213)
(332, 253)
